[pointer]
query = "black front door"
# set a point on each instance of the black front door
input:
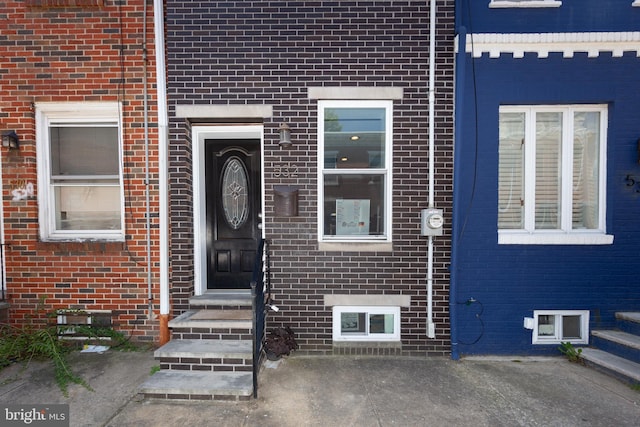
(232, 176)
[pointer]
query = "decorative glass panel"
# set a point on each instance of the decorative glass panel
(235, 193)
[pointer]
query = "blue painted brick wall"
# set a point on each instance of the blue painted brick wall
(571, 16)
(510, 281)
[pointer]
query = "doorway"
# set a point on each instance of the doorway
(228, 205)
(234, 213)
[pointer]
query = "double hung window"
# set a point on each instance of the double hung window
(355, 170)
(551, 183)
(80, 177)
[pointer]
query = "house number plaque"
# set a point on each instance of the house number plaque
(285, 170)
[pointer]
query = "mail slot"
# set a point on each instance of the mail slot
(286, 201)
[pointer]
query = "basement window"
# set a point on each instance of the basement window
(556, 326)
(366, 323)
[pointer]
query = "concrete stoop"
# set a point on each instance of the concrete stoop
(198, 385)
(617, 352)
(210, 355)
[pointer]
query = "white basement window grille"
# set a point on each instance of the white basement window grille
(558, 326)
(366, 323)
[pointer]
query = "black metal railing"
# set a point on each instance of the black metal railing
(260, 300)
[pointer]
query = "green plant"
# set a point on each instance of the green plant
(154, 369)
(26, 343)
(573, 354)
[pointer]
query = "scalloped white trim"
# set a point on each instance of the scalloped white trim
(518, 44)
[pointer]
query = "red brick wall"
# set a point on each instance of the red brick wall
(263, 52)
(83, 53)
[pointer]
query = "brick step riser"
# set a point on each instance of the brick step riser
(221, 307)
(212, 334)
(615, 348)
(197, 397)
(206, 364)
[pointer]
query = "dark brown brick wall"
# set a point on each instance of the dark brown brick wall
(270, 52)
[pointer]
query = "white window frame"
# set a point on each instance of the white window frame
(48, 114)
(564, 235)
(557, 338)
(387, 171)
(338, 335)
(524, 3)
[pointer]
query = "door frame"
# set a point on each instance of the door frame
(199, 135)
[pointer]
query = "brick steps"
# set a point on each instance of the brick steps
(617, 352)
(210, 355)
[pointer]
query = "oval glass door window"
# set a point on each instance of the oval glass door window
(235, 192)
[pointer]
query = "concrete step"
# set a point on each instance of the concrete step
(213, 325)
(628, 322)
(206, 355)
(617, 366)
(619, 343)
(189, 385)
(222, 298)
(238, 319)
(206, 349)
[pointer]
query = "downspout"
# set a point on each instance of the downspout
(3, 272)
(460, 65)
(147, 184)
(163, 124)
(431, 330)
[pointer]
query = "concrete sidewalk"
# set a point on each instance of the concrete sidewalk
(345, 391)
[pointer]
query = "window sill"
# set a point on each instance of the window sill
(92, 246)
(523, 238)
(355, 246)
(368, 344)
(524, 4)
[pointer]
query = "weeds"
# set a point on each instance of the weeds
(573, 354)
(27, 343)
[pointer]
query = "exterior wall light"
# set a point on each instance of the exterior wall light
(285, 136)
(10, 140)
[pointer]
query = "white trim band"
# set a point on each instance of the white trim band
(532, 3)
(542, 44)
